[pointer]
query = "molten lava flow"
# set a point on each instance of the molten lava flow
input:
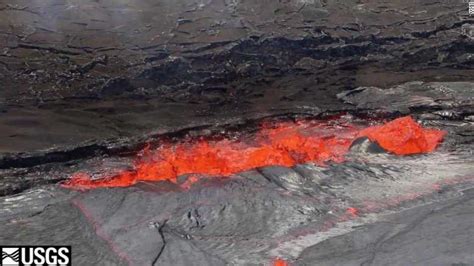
(280, 262)
(284, 144)
(404, 136)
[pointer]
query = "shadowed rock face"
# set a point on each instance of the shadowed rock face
(85, 85)
(445, 100)
(127, 68)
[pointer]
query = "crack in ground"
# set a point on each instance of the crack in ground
(160, 228)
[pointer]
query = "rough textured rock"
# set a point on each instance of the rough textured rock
(453, 100)
(85, 85)
(435, 234)
(243, 219)
(122, 69)
(57, 221)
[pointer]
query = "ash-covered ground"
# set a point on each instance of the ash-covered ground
(86, 85)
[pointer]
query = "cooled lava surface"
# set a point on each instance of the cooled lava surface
(228, 132)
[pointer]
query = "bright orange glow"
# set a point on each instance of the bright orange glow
(284, 144)
(280, 262)
(352, 211)
(404, 136)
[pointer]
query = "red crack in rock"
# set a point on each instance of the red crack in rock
(354, 212)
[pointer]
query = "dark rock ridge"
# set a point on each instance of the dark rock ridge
(123, 70)
(85, 85)
(454, 101)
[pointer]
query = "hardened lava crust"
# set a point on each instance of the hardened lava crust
(93, 91)
(368, 208)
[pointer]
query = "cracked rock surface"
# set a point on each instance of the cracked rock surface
(74, 72)
(85, 85)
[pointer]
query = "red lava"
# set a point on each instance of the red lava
(354, 212)
(284, 144)
(404, 136)
(280, 262)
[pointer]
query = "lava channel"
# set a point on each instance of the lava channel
(283, 144)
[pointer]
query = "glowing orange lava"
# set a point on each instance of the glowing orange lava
(404, 136)
(280, 262)
(284, 144)
(352, 211)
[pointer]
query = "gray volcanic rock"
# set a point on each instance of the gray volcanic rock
(58, 223)
(434, 234)
(245, 219)
(125, 69)
(446, 99)
(87, 84)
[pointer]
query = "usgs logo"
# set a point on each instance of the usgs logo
(35, 255)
